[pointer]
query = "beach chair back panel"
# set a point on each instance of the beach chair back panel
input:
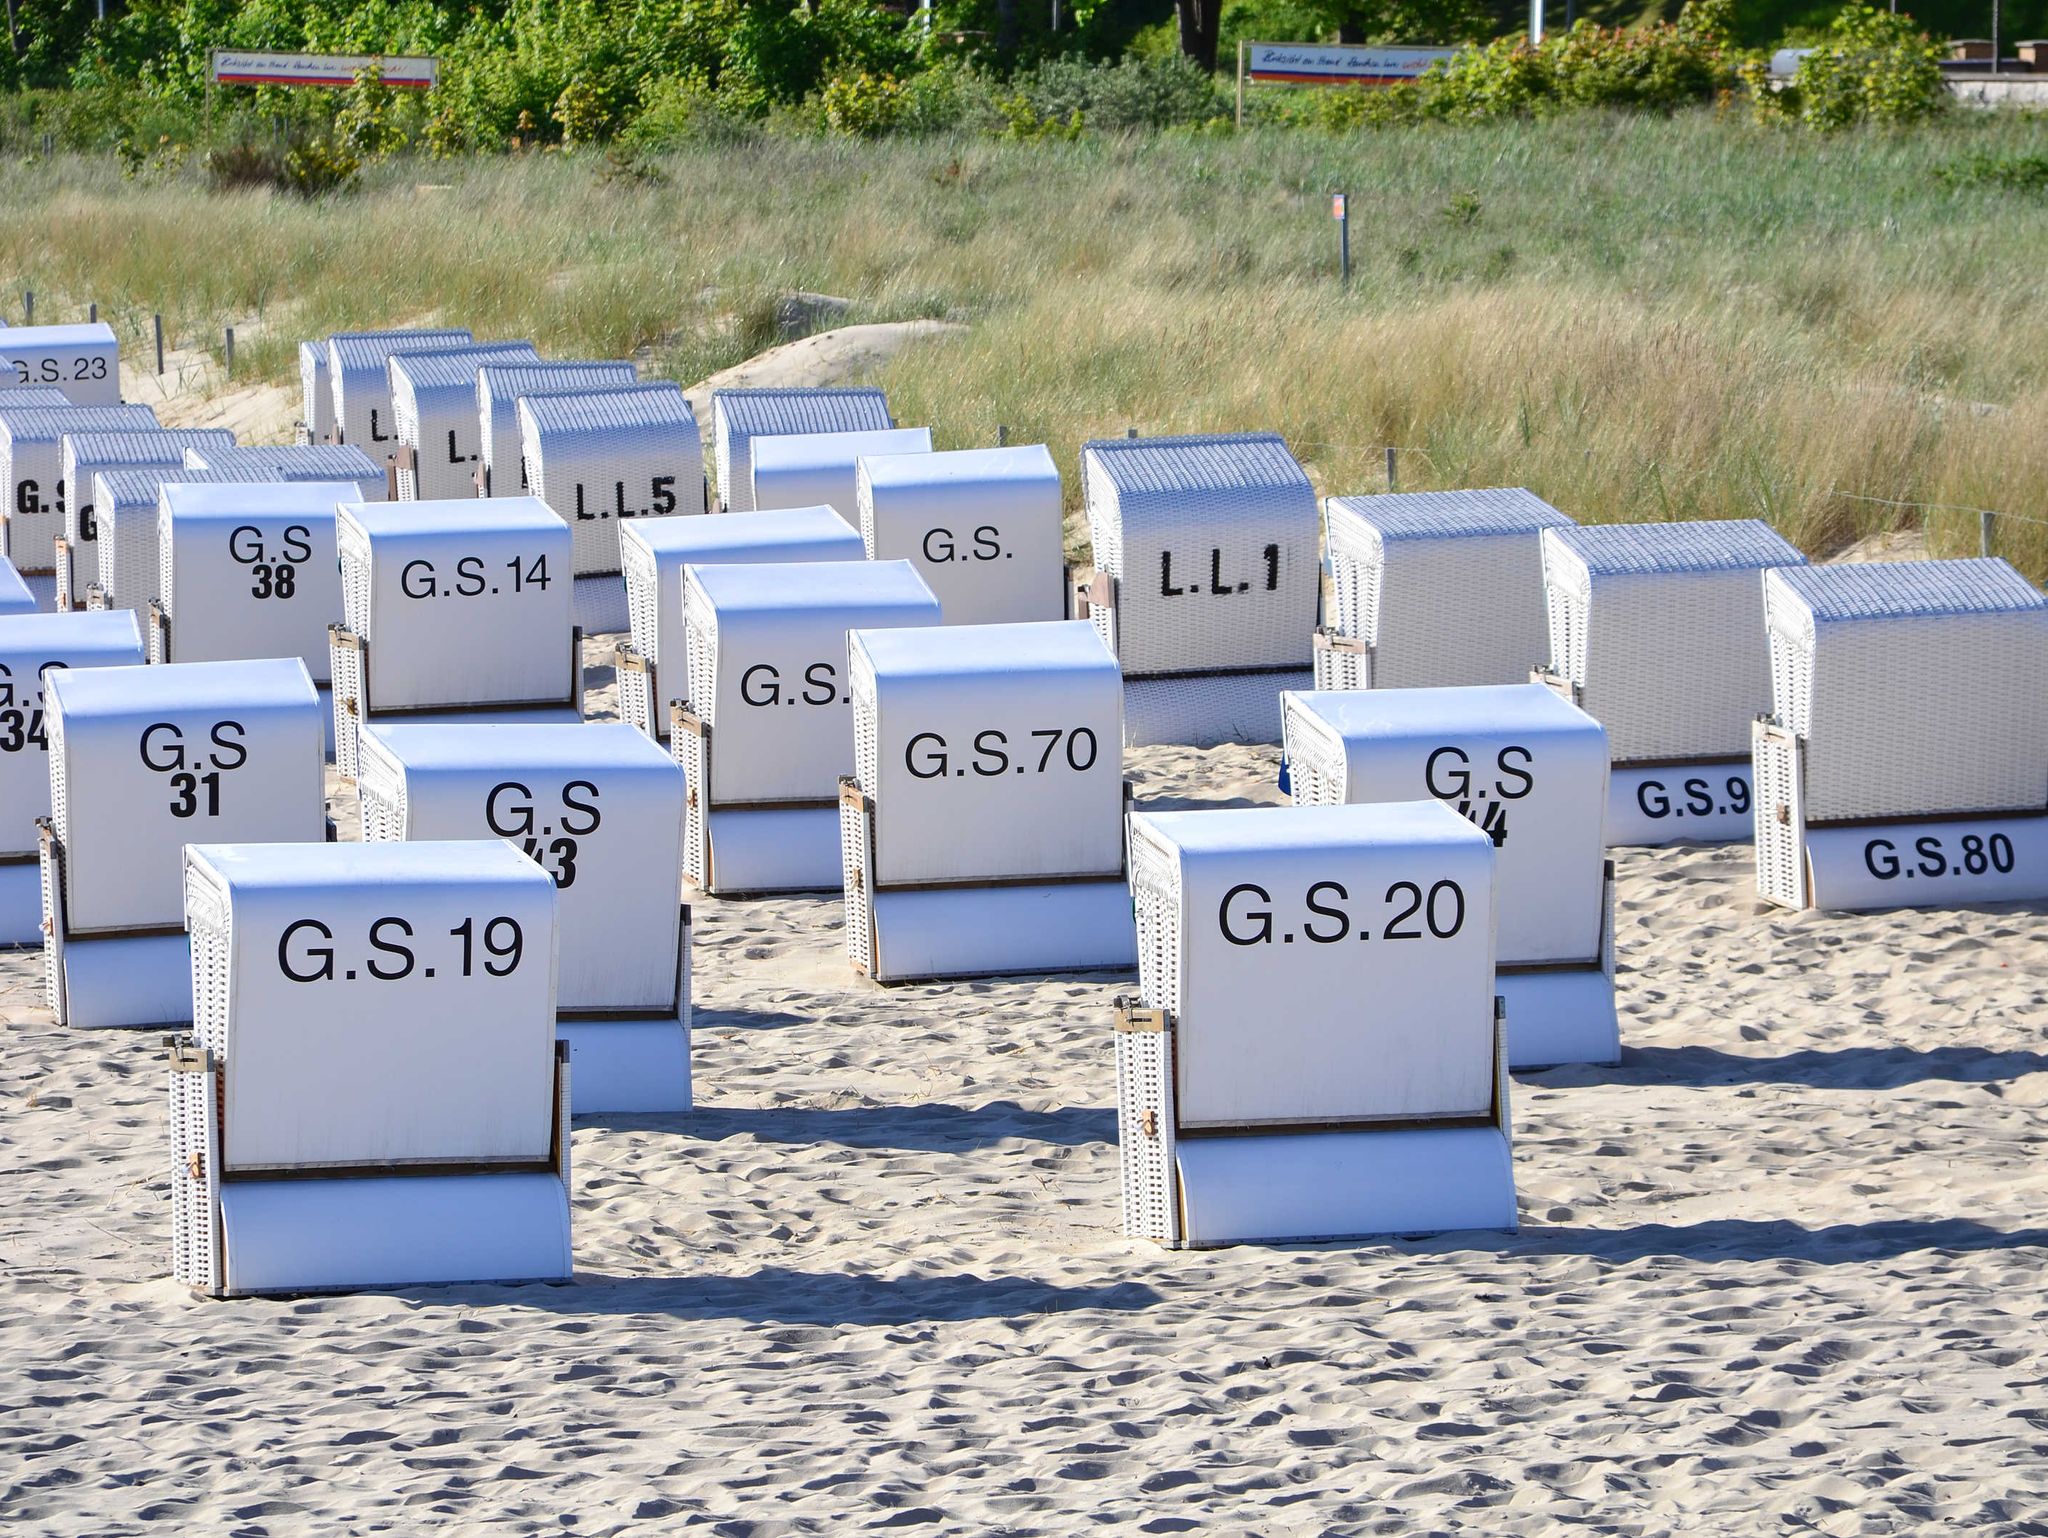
(383, 1005)
(32, 472)
(145, 760)
(740, 416)
(294, 462)
(1213, 544)
(598, 460)
(316, 381)
(595, 805)
(433, 404)
(1335, 964)
(770, 675)
(29, 643)
(985, 528)
(251, 570)
(461, 603)
(996, 752)
(82, 361)
(84, 455)
(820, 469)
(15, 594)
(498, 389)
(1916, 686)
(358, 372)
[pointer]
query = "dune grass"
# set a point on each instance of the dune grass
(1636, 318)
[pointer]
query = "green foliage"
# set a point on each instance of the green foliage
(1136, 93)
(371, 122)
(865, 106)
(319, 167)
(1657, 68)
(1874, 67)
(2014, 173)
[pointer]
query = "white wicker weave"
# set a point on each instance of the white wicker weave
(985, 527)
(1446, 587)
(316, 383)
(361, 382)
(1659, 627)
(433, 409)
(498, 389)
(819, 469)
(598, 459)
(1208, 548)
(12, 394)
(740, 416)
(15, 597)
(83, 456)
(1916, 686)
(82, 361)
(295, 462)
(32, 473)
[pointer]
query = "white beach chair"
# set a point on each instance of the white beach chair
(818, 469)
(15, 596)
(984, 527)
(1905, 763)
(82, 456)
(981, 832)
(1434, 589)
(32, 480)
(1207, 580)
(654, 551)
(766, 732)
(316, 381)
(371, 1095)
(82, 361)
(1530, 769)
(1269, 1090)
(433, 407)
(360, 378)
(144, 760)
(1657, 630)
(12, 394)
(29, 643)
(499, 387)
(456, 609)
(295, 462)
(601, 459)
(600, 808)
(740, 416)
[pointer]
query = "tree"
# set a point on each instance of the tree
(1405, 21)
(1201, 23)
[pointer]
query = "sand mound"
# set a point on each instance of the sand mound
(840, 356)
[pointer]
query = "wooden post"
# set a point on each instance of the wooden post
(1002, 436)
(1241, 45)
(1391, 482)
(1984, 522)
(28, 307)
(159, 344)
(229, 352)
(1130, 432)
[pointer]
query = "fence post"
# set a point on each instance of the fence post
(1130, 432)
(1391, 480)
(229, 352)
(1984, 522)
(159, 344)
(28, 307)
(1241, 46)
(1002, 436)
(92, 313)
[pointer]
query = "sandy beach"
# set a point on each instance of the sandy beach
(1779, 1272)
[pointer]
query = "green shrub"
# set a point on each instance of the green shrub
(320, 167)
(2016, 173)
(1131, 94)
(678, 111)
(1875, 67)
(864, 106)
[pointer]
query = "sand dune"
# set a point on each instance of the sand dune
(1780, 1270)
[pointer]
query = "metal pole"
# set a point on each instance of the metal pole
(159, 344)
(230, 352)
(1984, 522)
(1241, 45)
(1994, 36)
(1392, 482)
(1344, 238)
(1535, 23)
(92, 313)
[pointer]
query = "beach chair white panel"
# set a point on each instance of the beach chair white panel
(992, 751)
(985, 528)
(82, 457)
(1529, 768)
(768, 668)
(15, 597)
(653, 553)
(433, 404)
(83, 361)
(295, 462)
(740, 416)
(12, 394)
(498, 389)
(1212, 542)
(993, 931)
(1918, 686)
(376, 1004)
(249, 571)
(145, 760)
(818, 469)
(32, 477)
(599, 459)
(290, 1236)
(316, 383)
(358, 374)
(29, 643)
(127, 508)
(1445, 587)
(1359, 939)
(596, 805)
(461, 603)
(1660, 628)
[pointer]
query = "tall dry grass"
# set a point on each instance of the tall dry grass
(1636, 318)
